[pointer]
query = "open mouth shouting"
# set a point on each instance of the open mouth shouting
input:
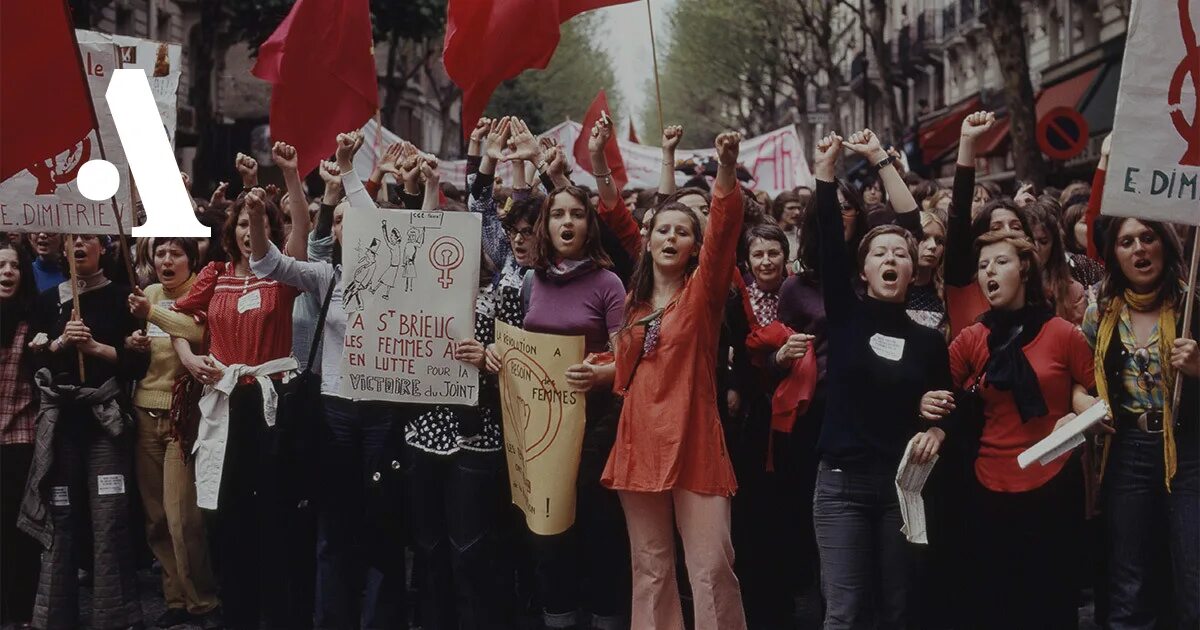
(567, 235)
(166, 273)
(992, 287)
(79, 253)
(8, 284)
(669, 251)
(1142, 264)
(890, 275)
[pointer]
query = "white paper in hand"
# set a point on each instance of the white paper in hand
(1063, 439)
(910, 481)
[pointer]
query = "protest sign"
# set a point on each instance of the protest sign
(408, 286)
(163, 64)
(44, 196)
(1154, 167)
(775, 160)
(543, 424)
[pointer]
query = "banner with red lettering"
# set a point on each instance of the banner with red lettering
(775, 160)
(409, 285)
(43, 196)
(1154, 166)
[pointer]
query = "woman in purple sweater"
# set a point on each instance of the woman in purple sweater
(572, 292)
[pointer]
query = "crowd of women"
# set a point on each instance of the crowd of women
(757, 369)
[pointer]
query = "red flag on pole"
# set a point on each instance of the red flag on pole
(611, 150)
(322, 67)
(488, 42)
(633, 133)
(37, 45)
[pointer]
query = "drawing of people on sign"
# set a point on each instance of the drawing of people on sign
(416, 238)
(364, 271)
(387, 278)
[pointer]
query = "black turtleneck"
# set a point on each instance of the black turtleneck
(872, 401)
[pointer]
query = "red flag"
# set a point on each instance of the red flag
(37, 46)
(611, 150)
(322, 68)
(633, 134)
(488, 42)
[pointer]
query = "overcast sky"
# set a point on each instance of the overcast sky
(626, 37)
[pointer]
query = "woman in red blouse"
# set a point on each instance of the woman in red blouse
(1033, 369)
(250, 329)
(669, 463)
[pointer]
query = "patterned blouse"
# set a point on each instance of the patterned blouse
(1141, 376)
(444, 430)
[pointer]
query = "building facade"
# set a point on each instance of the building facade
(945, 66)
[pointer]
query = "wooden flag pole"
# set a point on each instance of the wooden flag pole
(654, 55)
(76, 313)
(100, 145)
(1188, 304)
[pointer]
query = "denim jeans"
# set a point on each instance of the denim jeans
(457, 504)
(1153, 536)
(346, 578)
(866, 564)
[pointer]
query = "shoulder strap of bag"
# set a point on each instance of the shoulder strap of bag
(316, 342)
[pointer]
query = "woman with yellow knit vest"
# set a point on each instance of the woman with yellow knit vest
(1150, 467)
(174, 526)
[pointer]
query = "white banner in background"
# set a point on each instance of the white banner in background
(409, 290)
(776, 160)
(1154, 168)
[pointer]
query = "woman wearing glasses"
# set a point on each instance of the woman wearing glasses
(1150, 468)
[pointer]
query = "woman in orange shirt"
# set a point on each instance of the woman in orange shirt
(669, 462)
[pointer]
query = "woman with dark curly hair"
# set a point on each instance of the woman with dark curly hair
(1150, 468)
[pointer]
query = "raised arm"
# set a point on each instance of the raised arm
(1093, 210)
(286, 159)
(247, 168)
(866, 144)
(329, 199)
(835, 259)
(670, 141)
(257, 210)
(347, 145)
(718, 255)
(554, 166)
(959, 264)
(433, 181)
(310, 277)
(601, 135)
(480, 199)
(524, 150)
(386, 165)
(498, 132)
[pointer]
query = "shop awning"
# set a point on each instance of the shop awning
(1069, 93)
(941, 134)
(1101, 101)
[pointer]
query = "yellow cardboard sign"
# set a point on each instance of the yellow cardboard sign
(543, 424)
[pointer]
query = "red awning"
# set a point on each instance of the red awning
(940, 135)
(1065, 94)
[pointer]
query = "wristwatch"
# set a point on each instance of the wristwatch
(884, 162)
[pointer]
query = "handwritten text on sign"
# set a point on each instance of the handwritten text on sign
(409, 288)
(543, 424)
(44, 196)
(1154, 168)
